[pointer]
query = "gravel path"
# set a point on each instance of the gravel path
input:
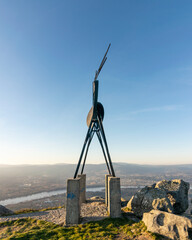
(93, 210)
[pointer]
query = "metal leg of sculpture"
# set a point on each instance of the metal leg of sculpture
(106, 146)
(89, 142)
(83, 149)
(101, 143)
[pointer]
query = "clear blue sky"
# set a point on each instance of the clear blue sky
(49, 51)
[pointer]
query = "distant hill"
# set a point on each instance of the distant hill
(69, 169)
(20, 180)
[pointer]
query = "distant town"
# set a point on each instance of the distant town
(24, 180)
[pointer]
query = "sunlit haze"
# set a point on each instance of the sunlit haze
(49, 51)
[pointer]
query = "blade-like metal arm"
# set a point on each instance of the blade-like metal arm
(89, 142)
(106, 146)
(102, 63)
(83, 149)
(101, 143)
(104, 59)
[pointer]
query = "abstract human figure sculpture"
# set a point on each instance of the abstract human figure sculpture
(95, 125)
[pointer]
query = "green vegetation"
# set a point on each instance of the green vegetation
(29, 210)
(106, 229)
(25, 210)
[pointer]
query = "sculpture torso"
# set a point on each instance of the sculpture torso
(99, 112)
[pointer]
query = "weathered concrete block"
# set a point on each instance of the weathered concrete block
(106, 189)
(82, 188)
(114, 197)
(73, 201)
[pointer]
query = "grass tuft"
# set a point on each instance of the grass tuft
(105, 229)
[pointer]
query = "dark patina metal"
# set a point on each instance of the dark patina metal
(95, 125)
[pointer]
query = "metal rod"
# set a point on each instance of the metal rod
(106, 146)
(102, 63)
(90, 139)
(101, 143)
(83, 149)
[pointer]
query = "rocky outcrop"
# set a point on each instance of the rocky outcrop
(168, 196)
(167, 224)
(147, 199)
(177, 192)
(4, 211)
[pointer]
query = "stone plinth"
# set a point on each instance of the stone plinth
(106, 188)
(82, 188)
(114, 197)
(73, 201)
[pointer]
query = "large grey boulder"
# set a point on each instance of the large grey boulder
(177, 192)
(149, 198)
(167, 224)
(5, 211)
(168, 196)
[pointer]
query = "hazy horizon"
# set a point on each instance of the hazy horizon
(40, 164)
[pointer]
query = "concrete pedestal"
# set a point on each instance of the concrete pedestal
(106, 188)
(114, 197)
(73, 201)
(82, 188)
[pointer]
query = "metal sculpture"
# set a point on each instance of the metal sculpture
(95, 125)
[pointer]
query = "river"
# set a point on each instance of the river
(41, 195)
